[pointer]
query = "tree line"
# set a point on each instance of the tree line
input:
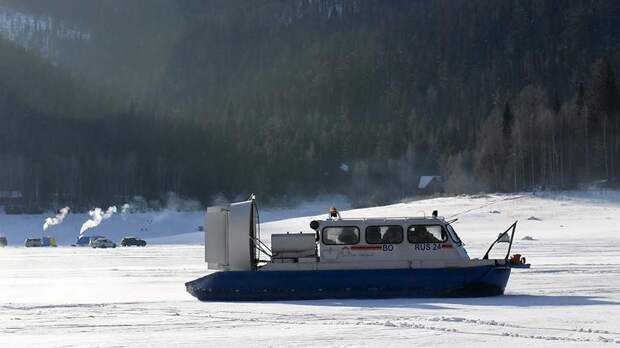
(535, 140)
(298, 98)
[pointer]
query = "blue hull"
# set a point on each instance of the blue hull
(357, 284)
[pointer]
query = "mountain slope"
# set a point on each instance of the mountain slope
(277, 97)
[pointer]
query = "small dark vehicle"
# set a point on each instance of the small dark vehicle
(33, 242)
(102, 243)
(133, 241)
(84, 241)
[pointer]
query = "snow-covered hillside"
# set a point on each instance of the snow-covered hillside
(168, 226)
(136, 296)
(38, 33)
(544, 216)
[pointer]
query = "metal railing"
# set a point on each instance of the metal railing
(511, 229)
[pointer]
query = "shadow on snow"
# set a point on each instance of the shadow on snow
(446, 303)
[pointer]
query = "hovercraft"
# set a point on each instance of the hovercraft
(362, 258)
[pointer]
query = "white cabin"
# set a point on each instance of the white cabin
(376, 243)
(233, 243)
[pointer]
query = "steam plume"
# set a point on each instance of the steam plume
(125, 208)
(96, 216)
(56, 219)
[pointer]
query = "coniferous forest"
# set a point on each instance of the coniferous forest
(104, 100)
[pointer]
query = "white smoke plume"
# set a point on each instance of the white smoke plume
(96, 216)
(125, 208)
(56, 219)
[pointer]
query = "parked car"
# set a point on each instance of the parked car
(32, 242)
(3, 242)
(102, 243)
(84, 241)
(131, 241)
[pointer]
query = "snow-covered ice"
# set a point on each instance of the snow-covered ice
(136, 296)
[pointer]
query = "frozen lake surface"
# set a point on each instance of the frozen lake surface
(136, 296)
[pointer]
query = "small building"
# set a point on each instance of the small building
(12, 201)
(10, 197)
(429, 184)
(48, 242)
(6, 194)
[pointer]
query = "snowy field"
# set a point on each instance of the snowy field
(136, 296)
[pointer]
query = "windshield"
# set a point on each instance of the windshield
(453, 235)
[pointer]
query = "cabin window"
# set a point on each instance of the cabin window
(426, 234)
(384, 234)
(341, 235)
